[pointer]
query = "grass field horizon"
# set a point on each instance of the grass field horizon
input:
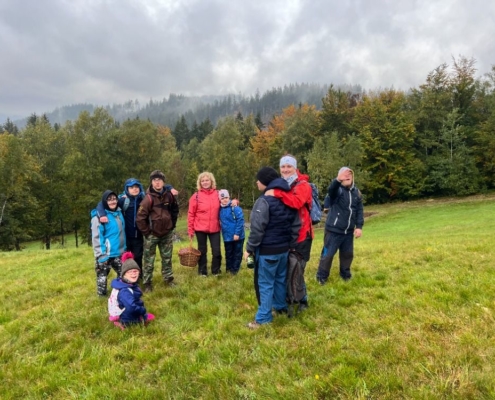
(415, 322)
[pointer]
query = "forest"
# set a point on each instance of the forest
(434, 140)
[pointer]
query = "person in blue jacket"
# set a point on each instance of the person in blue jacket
(344, 222)
(129, 295)
(232, 223)
(108, 241)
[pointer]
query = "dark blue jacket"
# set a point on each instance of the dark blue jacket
(129, 297)
(274, 226)
(346, 209)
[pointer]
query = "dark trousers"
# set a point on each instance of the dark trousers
(135, 245)
(304, 249)
(233, 255)
(215, 251)
(334, 242)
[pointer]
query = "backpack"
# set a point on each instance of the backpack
(114, 310)
(315, 210)
(295, 278)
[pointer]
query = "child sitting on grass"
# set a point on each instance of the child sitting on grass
(132, 310)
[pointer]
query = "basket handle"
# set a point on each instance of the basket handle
(190, 243)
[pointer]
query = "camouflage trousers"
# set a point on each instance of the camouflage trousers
(102, 270)
(165, 245)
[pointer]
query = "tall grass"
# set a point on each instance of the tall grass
(415, 322)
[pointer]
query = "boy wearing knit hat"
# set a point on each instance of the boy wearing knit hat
(156, 219)
(232, 224)
(274, 229)
(344, 223)
(300, 198)
(129, 295)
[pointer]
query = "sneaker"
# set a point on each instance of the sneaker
(253, 325)
(171, 284)
(203, 275)
(320, 281)
(303, 305)
(148, 287)
(119, 325)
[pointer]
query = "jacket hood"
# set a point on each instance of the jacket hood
(302, 177)
(118, 283)
(278, 183)
(104, 198)
(131, 182)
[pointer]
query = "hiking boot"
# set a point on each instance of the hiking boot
(148, 287)
(170, 281)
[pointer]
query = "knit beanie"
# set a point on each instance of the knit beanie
(267, 174)
(223, 193)
(288, 159)
(157, 174)
(128, 263)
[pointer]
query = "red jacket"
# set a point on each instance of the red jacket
(300, 198)
(203, 213)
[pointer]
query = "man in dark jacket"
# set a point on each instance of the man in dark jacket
(156, 219)
(344, 222)
(274, 228)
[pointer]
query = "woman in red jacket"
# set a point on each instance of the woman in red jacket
(203, 220)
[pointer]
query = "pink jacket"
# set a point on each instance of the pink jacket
(203, 213)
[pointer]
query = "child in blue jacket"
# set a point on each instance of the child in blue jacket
(232, 222)
(132, 310)
(108, 241)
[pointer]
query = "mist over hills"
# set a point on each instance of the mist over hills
(199, 108)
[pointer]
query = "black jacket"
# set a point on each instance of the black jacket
(346, 209)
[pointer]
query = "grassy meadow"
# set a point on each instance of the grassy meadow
(415, 322)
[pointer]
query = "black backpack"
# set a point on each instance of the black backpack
(295, 278)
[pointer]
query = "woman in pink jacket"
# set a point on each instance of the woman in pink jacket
(203, 220)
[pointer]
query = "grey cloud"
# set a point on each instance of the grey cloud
(57, 52)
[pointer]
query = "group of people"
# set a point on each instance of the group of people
(139, 221)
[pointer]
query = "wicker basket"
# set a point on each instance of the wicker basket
(189, 256)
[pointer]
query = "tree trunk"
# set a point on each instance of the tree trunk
(62, 237)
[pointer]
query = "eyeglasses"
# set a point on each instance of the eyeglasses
(111, 199)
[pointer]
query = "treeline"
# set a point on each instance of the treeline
(168, 111)
(436, 140)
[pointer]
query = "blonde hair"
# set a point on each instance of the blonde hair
(208, 175)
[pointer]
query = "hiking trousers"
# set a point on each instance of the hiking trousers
(216, 258)
(334, 242)
(165, 245)
(102, 270)
(233, 255)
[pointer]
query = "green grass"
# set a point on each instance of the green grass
(415, 322)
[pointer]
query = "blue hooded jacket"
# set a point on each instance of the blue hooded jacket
(129, 297)
(232, 222)
(108, 239)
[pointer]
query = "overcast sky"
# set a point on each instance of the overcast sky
(60, 52)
